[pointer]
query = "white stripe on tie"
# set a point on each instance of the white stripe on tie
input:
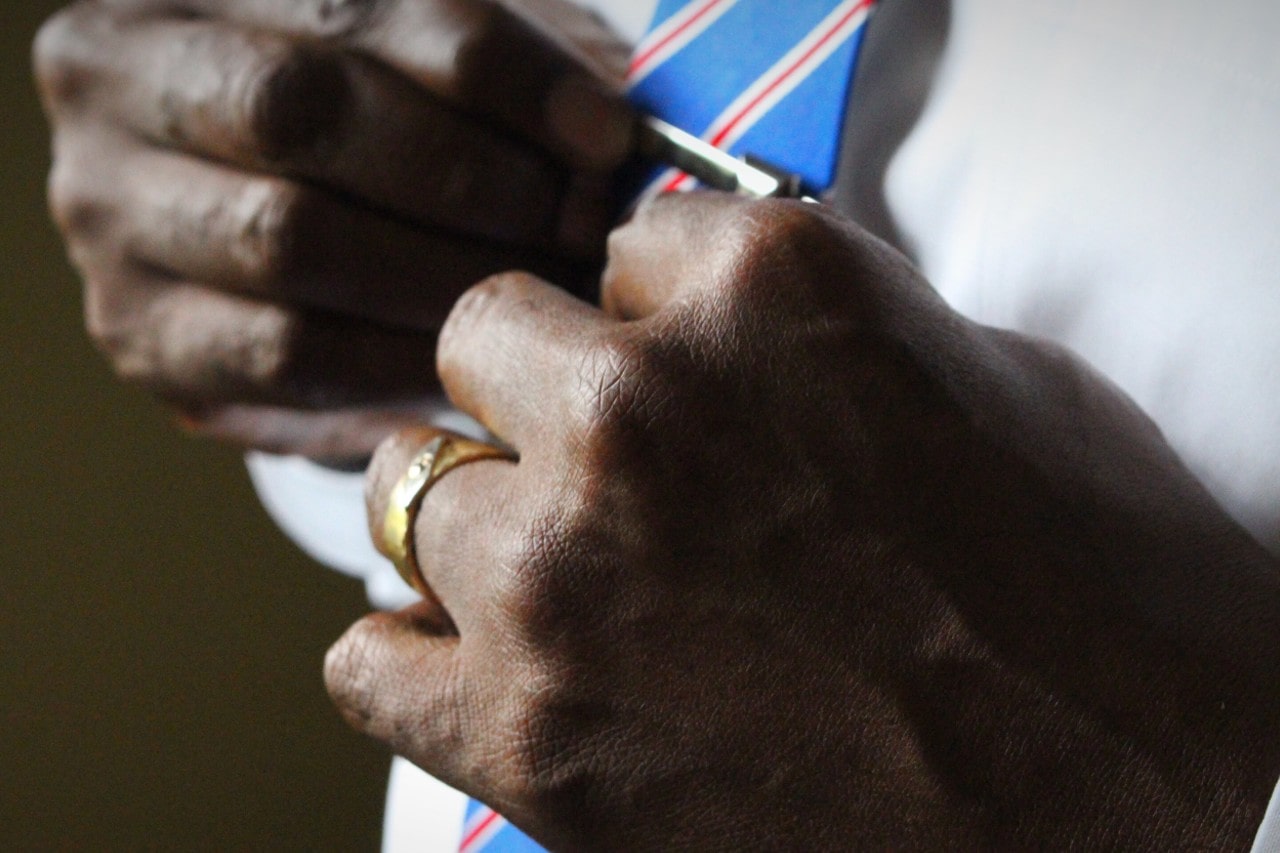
(674, 35)
(779, 81)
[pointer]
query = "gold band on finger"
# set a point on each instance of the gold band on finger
(431, 462)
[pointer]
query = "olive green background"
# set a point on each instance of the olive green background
(160, 641)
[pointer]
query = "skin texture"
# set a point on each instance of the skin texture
(794, 556)
(275, 203)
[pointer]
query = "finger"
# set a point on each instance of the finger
(511, 355)
(672, 244)
(272, 238)
(479, 54)
(203, 348)
(266, 103)
(459, 523)
(404, 680)
(397, 678)
(344, 437)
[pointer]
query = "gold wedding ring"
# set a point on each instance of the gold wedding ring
(430, 462)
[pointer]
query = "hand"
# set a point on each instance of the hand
(793, 556)
(274, 203)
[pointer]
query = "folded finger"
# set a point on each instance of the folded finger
(341, 437)
(203, 348)
(512, 355)
(397, 678)
(459, 523)
(404, 679)
(282, 241)
(671, 246)
(268, 103)
(479, 54)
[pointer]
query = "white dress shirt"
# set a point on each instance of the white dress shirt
(1102, 174)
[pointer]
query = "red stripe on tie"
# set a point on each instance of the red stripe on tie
(479, 829)
(781, 78)
(638, 62)
(675, 183)
(681, 179)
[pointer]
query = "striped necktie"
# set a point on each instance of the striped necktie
(768, 78)
(772, 78)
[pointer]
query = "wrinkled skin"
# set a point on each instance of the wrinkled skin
(275, 203)
(794, 556)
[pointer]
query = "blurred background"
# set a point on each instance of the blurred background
(160, 641)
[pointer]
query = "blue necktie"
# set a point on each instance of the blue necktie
(768, 78)
(772, 78)
(485, 829)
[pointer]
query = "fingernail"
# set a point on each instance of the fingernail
(597, 126)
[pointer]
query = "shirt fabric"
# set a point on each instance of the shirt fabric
(1101, 174)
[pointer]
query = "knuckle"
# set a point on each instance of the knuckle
(132, 366)
(100, 323)
(772, 235)
(530, 593)
(127, 334)
(57, 55)
(112, 329)
(273, 228)
(627, 384)
(178, 343)
(271, 354)
(345, 673)
(365, 677)
(292, 102)
(483, 306)
(551, 751)
(620, 246)
(132, 361)
(305, 359)
(771, 259)
(338, 19)
(76, 213)
(555, 727)
(487, 32)
(555, 587)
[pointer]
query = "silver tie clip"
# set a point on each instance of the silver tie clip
(666, 143)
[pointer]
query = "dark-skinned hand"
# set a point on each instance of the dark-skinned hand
(795, 557)
(274, 203)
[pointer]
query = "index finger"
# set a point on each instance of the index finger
(477, 54)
